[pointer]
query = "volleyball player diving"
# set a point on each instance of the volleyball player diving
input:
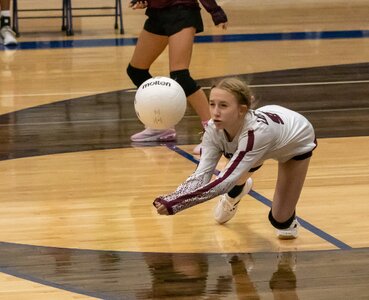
(247, 137)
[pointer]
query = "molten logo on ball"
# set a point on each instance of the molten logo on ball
(160, 103)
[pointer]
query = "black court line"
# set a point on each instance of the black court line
(313, 229)
(51, 284)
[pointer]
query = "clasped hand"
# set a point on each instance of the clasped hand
(161, 209)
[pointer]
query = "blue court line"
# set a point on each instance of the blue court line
(339, 244)
(315, 230)
(223, 38)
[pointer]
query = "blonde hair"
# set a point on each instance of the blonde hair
(238, 88)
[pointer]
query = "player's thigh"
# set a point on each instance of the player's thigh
(149, 47)
(291, 178)
(180, 49)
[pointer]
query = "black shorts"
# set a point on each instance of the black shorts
(306, 155)
(168, 21)
(303, 156)
(252, 170)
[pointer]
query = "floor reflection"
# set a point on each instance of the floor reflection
(135, 275)
(131, 275)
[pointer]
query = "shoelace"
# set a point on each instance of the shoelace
(229, 206)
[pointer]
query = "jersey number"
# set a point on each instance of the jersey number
(274, 117)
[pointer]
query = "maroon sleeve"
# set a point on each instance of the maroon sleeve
(217, 13)
(197, 188)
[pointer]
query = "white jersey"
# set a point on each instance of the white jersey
(269, 132)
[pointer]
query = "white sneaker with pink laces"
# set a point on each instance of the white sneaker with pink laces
(155, 135)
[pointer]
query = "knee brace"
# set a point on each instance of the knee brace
(138, 76)
(185, 80)
(279, 225)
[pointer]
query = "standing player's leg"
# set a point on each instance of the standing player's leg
(149, 47)
(180, 53)
(291, 178)
(6, 33)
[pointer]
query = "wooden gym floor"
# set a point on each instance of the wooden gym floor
(77, 219)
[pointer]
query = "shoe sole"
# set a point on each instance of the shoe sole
(292, 235)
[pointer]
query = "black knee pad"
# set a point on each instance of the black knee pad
(279, 225)
(138, 76)
(185, 80)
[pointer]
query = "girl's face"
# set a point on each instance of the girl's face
(225, 109)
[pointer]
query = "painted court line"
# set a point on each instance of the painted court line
(223, 38)
(271, 85)
(305, 224)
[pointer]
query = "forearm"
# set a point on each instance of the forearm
(195, 190)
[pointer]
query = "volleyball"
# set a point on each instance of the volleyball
(160, 103)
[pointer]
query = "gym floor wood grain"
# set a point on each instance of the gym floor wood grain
(77, 219)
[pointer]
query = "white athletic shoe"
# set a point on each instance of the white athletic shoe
(289, 233)
(227, 206)
(8, 36)
(155, 135)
